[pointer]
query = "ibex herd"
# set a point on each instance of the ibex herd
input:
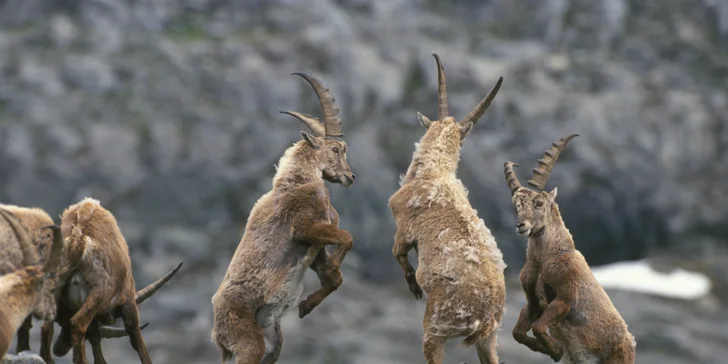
(78, 274)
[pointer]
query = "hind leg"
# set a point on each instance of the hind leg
(486, 346)
(130, 316)
(433, 345)
(249, 344)
(94, 338)
(274, 343)
(24, 335)
(624, 354)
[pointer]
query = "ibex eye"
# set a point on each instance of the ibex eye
(539, 203)
(335, 149)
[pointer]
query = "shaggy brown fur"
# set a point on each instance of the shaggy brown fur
(34, 220)
(460, 265)
(563, 295)
(72, 297)
(93, 239)
(23, 291)
(285, 235)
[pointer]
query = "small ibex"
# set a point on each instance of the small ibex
(563, 295)
(98, 253)
(72, 297)
(286, 234)
(36, 222)
(460, 265)
(24, 291)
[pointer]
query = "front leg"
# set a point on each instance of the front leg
(330, 278)
(400, 250)
(523, 326)
(317, 233)
(552, 315)
(23, 343)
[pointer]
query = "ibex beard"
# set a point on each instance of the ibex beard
(563, 296)
(286, 234)
(460, 265)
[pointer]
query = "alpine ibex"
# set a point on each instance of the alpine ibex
(97, 251)
(460, 265)
(24, 291)
(72, 297)
(285, 235)
(35, 221)
(563, 295)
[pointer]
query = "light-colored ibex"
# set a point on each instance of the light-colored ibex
(563, 295)
(99, 254)
(285, 235)
(23, 292)
(35, 221)
(460, 265)
(70, 300)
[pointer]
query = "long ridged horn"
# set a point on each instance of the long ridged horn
(543, 170)
(107, 332)
(442, 107)
(483, 105)
(149, 290)
(513, 182)
(332, 122)
(313, 123)
(30, 252)
(54, 259)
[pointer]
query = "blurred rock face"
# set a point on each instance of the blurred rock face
(166, 111)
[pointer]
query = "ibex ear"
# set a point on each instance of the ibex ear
(465, 129)
(314, 141)
(552, 194)
(424, 121)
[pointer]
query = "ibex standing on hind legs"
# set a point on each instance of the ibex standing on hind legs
(460, 265)
(563, 295)
(287, 231)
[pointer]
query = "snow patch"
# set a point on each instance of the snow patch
(638, 276)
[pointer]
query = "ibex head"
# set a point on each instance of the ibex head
(41, 279)
(534, 205)
(443, 118)
(330, 153)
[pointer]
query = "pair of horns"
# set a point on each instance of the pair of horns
(331, 127)
(442, 104)
(30, 251)
(542, 172)
(107, 332)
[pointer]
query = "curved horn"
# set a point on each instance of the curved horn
(30, 252)
(543, 170)
(107, 332)
(483, 105)
(54, 259)
(442, 108)
(149, 290)
(513, 182)
(332, 122)
(313, 123)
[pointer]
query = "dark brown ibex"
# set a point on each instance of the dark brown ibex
(99, 254)
(460, 265)
(285, 235)
(72, 297)
(30, 288)
(563, 295)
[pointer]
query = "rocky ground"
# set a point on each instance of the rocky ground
(166, 111)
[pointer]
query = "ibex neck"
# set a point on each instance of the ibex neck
(555, 238)
(297, 166)
(433, 160)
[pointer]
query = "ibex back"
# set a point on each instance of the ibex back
(285, 235)
(460, 265)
